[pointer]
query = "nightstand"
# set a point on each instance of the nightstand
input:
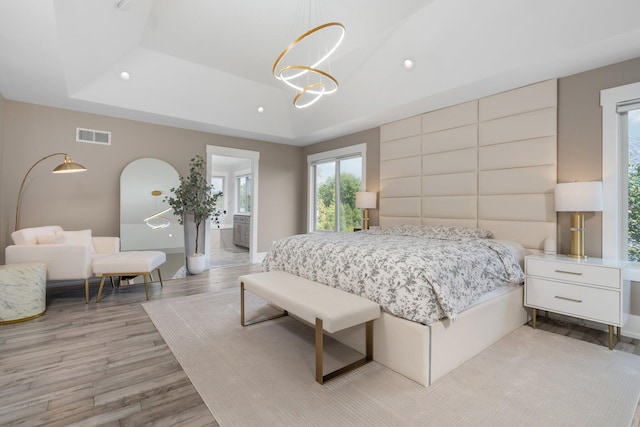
(591, 289)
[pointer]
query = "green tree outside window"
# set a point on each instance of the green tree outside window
(350, 216)
(634, 213)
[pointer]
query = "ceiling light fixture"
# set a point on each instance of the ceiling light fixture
(125, 75)
(297, 65)
(261, 109)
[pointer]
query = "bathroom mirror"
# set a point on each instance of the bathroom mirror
(146, 220)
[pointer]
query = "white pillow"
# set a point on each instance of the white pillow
(51, 239)
(516, 249)
(82, 237)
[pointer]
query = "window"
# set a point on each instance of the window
(243, 193)
(217, 182)
(621, 175)
(630, 133)
(334, 178)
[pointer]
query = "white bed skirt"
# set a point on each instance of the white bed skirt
(427, 353)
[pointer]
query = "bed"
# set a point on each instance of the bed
(489, 164)
(425, 278)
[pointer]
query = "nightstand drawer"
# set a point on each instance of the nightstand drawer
(575, 272)
(600, 305)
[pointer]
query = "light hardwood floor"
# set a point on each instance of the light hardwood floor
(101, 364)
(105, 363)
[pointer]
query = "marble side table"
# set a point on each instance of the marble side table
(23, 294)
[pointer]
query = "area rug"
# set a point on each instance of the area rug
(263, 375)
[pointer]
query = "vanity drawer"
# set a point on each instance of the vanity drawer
(600, 305)
(574, 272)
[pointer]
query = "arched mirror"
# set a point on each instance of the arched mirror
(146, 220)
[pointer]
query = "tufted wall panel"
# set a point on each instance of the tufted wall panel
(490, 163)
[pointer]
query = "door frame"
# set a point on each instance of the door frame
(254, 156)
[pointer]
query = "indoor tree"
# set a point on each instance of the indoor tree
(195, 199)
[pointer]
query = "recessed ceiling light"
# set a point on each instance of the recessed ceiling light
(408, 63)
(261, 109)
(125, 76)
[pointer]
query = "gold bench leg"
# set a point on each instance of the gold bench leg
(100, 288)
(160, 277)
(319, 351)
(242, 312)
(320, 378)
(369, 339)
(242, 303)
(146, 284)
(145, 275)
(86, 291)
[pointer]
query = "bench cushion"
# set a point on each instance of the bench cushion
(310, 300)
(129, 262)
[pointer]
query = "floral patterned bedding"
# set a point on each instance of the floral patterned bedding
(418, 273)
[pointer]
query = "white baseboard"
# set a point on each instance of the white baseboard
(259, 257)
(631, 329)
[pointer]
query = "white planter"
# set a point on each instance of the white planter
(196, 264)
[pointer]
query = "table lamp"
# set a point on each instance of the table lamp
(578, 197)
(366, 200)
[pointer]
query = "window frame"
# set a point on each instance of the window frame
(327, 156)
(613, 166)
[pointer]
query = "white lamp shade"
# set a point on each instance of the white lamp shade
(578, 197)
(366, 200)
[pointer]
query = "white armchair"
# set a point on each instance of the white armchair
(68, 255)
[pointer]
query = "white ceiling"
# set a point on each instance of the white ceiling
(206, 64)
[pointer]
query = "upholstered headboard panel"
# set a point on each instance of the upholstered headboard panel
(489, 163)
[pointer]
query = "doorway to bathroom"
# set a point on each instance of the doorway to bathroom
(234, 172)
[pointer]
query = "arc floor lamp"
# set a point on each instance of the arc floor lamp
(68, 166)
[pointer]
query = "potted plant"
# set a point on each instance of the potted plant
(195, 200)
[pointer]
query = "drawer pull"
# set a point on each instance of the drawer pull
(569, 272)
(569, 299)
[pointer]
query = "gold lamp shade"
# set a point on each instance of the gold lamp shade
(69, 166)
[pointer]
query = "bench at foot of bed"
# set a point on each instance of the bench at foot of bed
(327, 308)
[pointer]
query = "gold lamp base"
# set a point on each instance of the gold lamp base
(365, 219)
(577, 236)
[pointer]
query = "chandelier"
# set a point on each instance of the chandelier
(298, 66)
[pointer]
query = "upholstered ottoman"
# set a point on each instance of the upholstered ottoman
(23, 294)
(131, 263)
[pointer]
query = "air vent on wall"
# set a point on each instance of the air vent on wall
(92, 136)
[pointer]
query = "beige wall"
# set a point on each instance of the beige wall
(91, 199)
(580, 138)
(580, 144)
(370, 137)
